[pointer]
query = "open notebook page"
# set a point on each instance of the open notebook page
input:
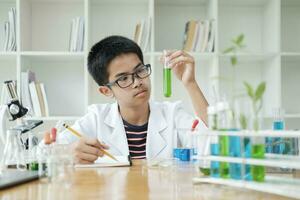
(107, 162)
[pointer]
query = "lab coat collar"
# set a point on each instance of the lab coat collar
(156, 124)
(117, 138)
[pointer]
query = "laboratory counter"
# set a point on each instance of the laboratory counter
(139, 181)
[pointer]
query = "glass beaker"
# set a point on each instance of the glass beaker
(14, 150)
(60, 165)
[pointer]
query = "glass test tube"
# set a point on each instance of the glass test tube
(167, 78)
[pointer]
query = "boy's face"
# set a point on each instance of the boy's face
(138, 92)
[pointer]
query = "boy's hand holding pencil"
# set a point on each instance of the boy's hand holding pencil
(87, 150)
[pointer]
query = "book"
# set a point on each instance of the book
(137, 32)
(6, 35)
(190, 35)
(146, 34)
(35, 99)
(45, 99)
(4, 95)
(12, 29)
(185, 34)
(76, 40)
(105, 161)
(205, 35)
(26, 77)
(196, 36)
(40, 97)
(211, 37)
(139, 42)
(200, 36)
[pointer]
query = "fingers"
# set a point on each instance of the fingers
(86, 156)
(180, 60)
(166, 53)
(175, 54)
(175, 57)
(92, 150)
(81, 161)
(47, 138)
(88, 150)
(96, 143)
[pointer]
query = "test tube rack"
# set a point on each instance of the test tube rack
(279, 185)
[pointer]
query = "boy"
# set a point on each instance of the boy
(133, 125)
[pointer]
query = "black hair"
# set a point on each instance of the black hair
(103, 52)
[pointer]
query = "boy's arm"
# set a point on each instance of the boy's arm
(198, 100)
(183, 66)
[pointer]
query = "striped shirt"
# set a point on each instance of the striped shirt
(136, 138)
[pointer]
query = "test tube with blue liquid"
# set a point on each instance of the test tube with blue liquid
(167, 77)
(235, 150)
(278, 124)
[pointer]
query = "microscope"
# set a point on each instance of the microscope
(12, 138)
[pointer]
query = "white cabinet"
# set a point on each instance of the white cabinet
(272, 52)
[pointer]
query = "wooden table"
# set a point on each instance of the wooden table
(136, 182)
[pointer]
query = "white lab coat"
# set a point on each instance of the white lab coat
(167, 127)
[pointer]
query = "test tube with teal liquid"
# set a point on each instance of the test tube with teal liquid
(167, 78)
(278, 145)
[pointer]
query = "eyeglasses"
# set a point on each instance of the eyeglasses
(142, 71)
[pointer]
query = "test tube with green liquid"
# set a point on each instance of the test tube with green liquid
(167, 78)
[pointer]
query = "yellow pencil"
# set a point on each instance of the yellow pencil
(79, 135)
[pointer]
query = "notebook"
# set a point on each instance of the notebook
(108, 162)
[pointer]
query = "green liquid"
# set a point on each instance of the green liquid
(258, 172)
(224, 151)
(34, 166)
(205, 171)
(167, 82)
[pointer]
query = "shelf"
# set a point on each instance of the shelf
(244, 3)
(57, 1)
(183, 3)
(263, 133)
(6, 56)
(170, 35)
(54, 118)
(53, 56)
(248, 18)
(249, 57)
(290, 57)
(275, 185)
(49, 19)
(291, 162)
(196, 55)
(118, 2)
(290, 53)
(291, 115)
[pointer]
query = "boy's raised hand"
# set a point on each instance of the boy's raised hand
(182, 65)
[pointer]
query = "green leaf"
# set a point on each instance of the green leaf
(241, 46)
(233, 60)
(249, 90)
(260, 91)
(243, 121)
(240, 39)
(228, 50)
